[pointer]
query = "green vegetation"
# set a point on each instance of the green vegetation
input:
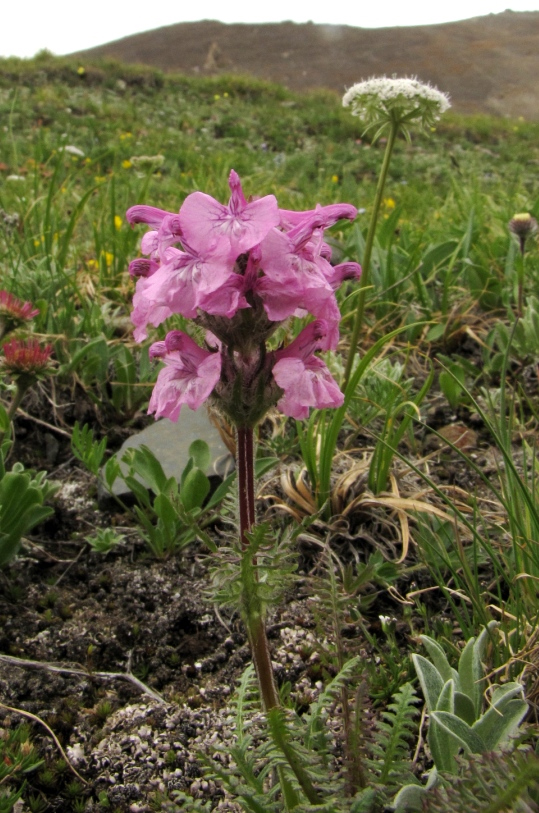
(443, 346)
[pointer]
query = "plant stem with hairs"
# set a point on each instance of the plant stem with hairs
(253, 613)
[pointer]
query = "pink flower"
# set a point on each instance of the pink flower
(327, 215)
(188, 378)
(167, 228)
(147, 309)
(240, 270)
(13, 312)
(183, 283)
(142, 268)
(305, 379)
(26, 357)
(209, 225)
(297, 275)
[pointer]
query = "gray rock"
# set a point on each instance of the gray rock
(170, 444)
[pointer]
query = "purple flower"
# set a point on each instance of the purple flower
(166, 231)
(209, 225)
(188, 378)
(305, 379)
(327, 215)
(240, 270)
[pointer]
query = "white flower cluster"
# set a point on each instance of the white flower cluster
(380, 101)
(390, 90)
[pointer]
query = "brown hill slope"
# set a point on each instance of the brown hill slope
(488, 64)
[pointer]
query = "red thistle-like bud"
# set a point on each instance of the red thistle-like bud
(13, 312)
(26, 358)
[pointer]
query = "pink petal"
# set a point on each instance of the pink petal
(305, 379)
(209, 225)
(147, 308)
(281, 298)
(188, 378)
(326, 216)
(142, 267)
(226, 300)
(306, 384)
(146, 214)
(338, 273)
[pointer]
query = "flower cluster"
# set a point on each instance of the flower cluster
(26, 357)
(239, 271)
(382, 100)
(13, 312)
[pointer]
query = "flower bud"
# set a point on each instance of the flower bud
(523, 225)
(13, 312)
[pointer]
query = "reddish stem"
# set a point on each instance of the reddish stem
(246, 480)
(254, 617)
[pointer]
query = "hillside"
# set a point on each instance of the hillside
(488, 64)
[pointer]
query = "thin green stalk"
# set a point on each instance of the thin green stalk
(14, 405)
(520, 282)
(366, 261)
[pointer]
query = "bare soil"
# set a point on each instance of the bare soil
(126, 659)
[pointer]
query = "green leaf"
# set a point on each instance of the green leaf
(411, 797)
(221, 491)
(439, 659)
(464, 708)
(430, 679)
(436, 332)
(437, 255)
(471, 675)
(200, 452)
(111, 471)
(467, 737)
(5, 423)
(443, 747)
(503, 717)
(21, 509)
(144, 463)
(194, 490)
(139, 490)
(166, 512)
(264, 464)
(364, 801)
(446, 700)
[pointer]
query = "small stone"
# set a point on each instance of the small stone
(170, 443)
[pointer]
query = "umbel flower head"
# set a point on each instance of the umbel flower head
(13, 312)
(239, 271)
(382, 101)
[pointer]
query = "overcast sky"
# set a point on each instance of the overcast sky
(64, 26)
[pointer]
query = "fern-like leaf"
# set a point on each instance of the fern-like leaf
(391, 746)
(326, 697)
(246, 701)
